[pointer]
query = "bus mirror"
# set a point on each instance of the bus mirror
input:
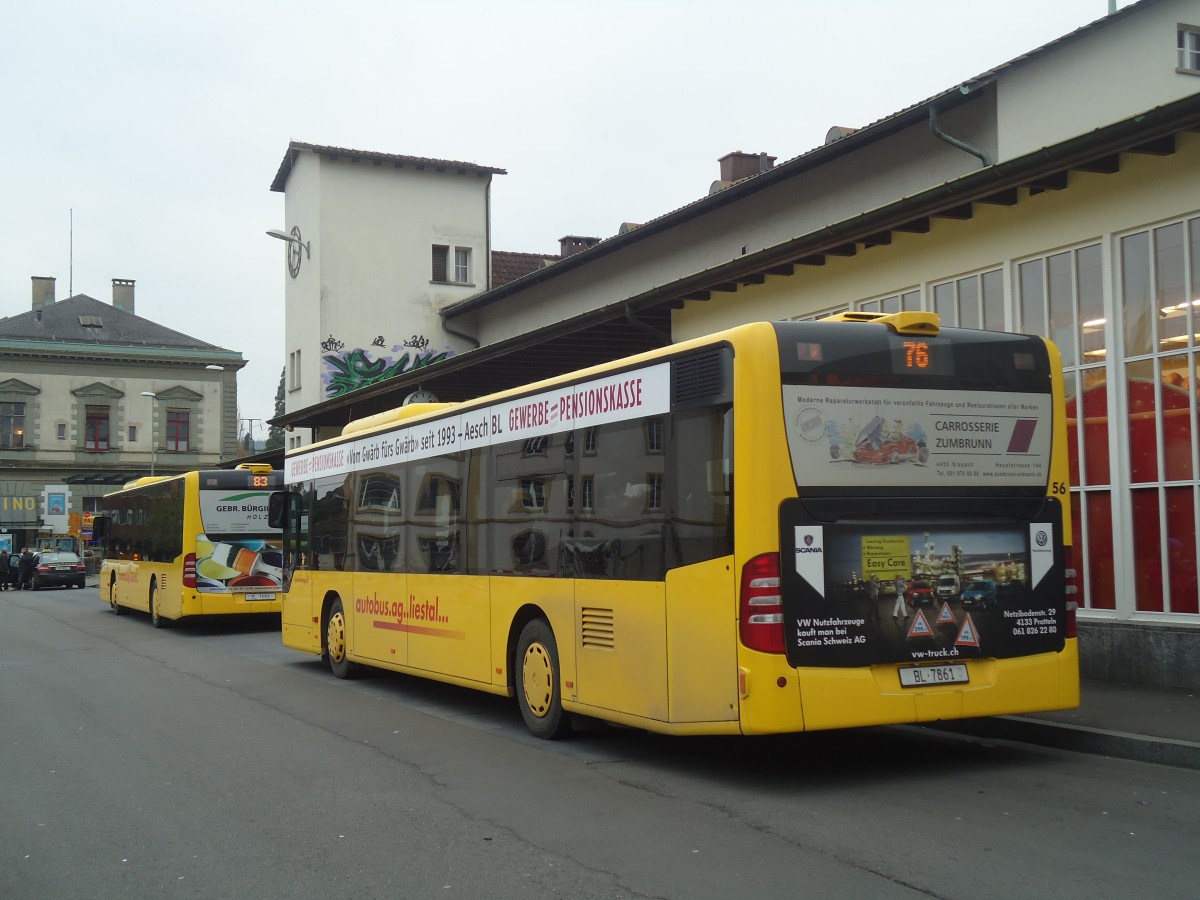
(277, 509)
(100, 527)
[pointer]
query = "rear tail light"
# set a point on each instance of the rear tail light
(189, 571)
(760, 614)
(1071, 577)
(43, 568)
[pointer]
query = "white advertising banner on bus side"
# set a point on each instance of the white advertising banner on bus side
(630, 395)
(854, 437)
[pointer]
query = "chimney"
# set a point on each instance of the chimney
(572, 244)
(123, 294)
(738, 165)
(43, 291)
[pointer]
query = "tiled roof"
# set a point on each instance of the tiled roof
(508, 265)
(63, 322)
(420, 162)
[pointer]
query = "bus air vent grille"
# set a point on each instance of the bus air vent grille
(598, 630)
(700, 379)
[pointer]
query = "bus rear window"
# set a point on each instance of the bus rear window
(865, 354)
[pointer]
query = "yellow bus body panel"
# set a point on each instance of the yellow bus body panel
(702, 640)
(621, 642)
(450, 625)
(300, 620)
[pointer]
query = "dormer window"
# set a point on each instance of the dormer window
(91, 322)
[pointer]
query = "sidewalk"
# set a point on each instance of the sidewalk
(1158, 725)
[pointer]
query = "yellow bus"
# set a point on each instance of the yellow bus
(195, 544)
(730, 535)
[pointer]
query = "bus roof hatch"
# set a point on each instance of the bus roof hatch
(907, 322)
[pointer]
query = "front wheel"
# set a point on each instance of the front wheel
(112, 596)
(538, 694)
(335, 641)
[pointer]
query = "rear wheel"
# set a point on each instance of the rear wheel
(536, 666)
(335, 641)
(156, 618)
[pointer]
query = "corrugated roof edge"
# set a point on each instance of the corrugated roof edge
(285, 167)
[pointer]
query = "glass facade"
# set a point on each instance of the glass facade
(1124, 313)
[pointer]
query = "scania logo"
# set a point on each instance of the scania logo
(808, 539)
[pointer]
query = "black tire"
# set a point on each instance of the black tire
(335, 641)
(538, 682)
(117, 609)
(155, 618)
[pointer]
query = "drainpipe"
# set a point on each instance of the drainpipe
(953, 141)
(458, 334)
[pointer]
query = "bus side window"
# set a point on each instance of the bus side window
(699, 493)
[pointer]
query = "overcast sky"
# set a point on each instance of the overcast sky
(161, 124)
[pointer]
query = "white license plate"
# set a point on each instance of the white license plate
(259, 596)
(925, 676)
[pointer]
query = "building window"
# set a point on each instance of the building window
(440, 254)
(813, 317)
(439, 496)
(294, 370)
(380, 492)
(1158, 282)
(590, 439)
(654, 435)
(654, 490)
(1189, 49)
(460, 274)
(95, 434)
(133, 434)
(533, 493)
(535, 446)
(529, 549)
(178, 427)
(892, 304)
(588, 497)
(62, 432)
(975, 301)
(12, 425)
(1061, 296)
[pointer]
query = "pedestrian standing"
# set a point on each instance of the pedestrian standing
(14, 570)
(899, 610)
(3, 568)
(25, 569)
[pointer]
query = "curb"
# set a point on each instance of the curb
(1080, 739)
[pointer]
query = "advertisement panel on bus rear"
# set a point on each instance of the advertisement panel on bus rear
(238, 552)
(861, 594)
(872, 437)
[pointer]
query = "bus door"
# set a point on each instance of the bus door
(289, 510)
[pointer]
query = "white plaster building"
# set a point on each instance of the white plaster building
(380, 245)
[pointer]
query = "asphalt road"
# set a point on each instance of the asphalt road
(210, 761)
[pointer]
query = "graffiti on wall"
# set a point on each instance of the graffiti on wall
(343, 370)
